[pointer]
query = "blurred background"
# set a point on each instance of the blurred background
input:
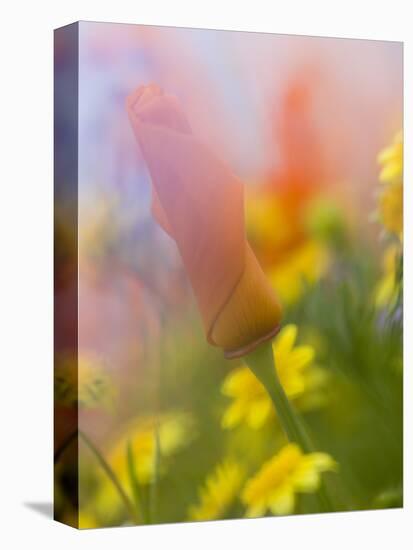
(302, 121)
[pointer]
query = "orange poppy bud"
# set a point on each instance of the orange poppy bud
(200, 204)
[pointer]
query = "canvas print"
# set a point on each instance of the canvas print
(228, 275)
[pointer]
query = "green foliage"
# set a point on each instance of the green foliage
(359, 425)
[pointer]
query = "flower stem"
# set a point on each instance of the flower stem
(153, 488)
(134, 483)
(111, 475)
(261, 362)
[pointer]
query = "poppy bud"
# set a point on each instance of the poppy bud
(200, 204)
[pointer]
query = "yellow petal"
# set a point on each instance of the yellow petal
(306, 478)
(322, 462)
(233, 415)
(390, 172)
(293, 384)
(386, 155)
(300, 357)
(258, 413)
(285, 341)
(238, 382)
(290, 452)
(282, 501)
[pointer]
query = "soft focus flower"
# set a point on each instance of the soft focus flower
(292, 258)
(83, 382)
(324, 219)
(173, 431)
(391, 193)
(277, 208)
(267, 223)
(391, 208)
(391, 161)
(298, 376)
(219, 492)
(388, 288)
(301, 267)
(200, 204)
(289, 472)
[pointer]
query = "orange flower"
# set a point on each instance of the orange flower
(200, 204)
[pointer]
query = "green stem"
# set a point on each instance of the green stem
(111, 475)
(134, 482)
(261, 363)
(153, 488)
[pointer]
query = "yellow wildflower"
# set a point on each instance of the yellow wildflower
(83, 382)
(296, 372)
(391, 208)
(302, 267)
(391, 194)
(219, 492)
(291, 258)
(391, 161)
(287, 473)
(388, 287)
(173, 431)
